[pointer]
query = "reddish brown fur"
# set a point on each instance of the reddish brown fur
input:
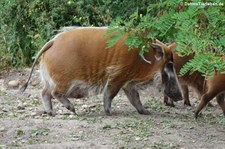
(91, 63)
(206, 89)
(215, 87)
(77, 60)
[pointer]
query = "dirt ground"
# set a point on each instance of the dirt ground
(165, 127)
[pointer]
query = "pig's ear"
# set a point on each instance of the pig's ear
(158, 51)
(172, 46)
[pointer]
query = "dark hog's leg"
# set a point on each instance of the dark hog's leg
(186, 95)
(168, 101)
(134, 98)
(221, 102)
(110, 91)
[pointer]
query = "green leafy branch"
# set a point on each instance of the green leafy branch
(195, 29)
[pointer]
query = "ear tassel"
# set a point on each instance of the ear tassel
(147, 61)
(154, 45)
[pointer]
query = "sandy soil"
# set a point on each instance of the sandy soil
(165, 127)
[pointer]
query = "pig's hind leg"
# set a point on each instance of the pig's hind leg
(63, 99)
(46, 100)
(221, 102)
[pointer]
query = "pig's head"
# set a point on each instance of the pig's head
(169, 77)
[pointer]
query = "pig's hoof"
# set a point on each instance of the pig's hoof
(108, 113)
(187, 104)
(169, 104)
(209, 104)
(196, 115)
(72, 109)
(39, 113)
(42, 112)
(51, 113)
(144, 112)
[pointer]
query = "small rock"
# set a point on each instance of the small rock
(34, 83)
(137, 138)
(84, 106)
(33, 114)
(74, 139)
(145, 139)
(13, 83)
(104, 143)
(167, 111)
(20, 107)
(92, 106)
(72, 116)
(191, 127)
(2, 129)
(5, 110)
(60, 112)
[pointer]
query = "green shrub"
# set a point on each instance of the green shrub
(26, 25)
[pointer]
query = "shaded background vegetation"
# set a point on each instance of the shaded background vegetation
(26, 25)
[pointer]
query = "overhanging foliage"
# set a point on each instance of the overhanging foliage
(198, 29)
